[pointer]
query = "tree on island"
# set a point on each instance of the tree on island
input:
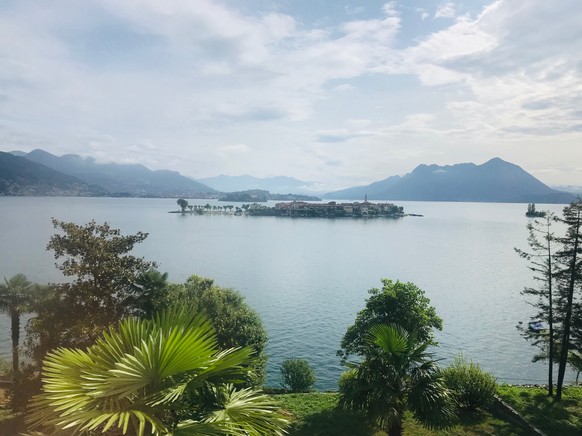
(183, 204)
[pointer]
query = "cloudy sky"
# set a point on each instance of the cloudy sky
(337, 92)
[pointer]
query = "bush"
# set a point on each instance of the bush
(471, 386)
(297, 375)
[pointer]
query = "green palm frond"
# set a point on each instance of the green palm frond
(133, 377)
(430, 401)
(390, 338)
(248, 412)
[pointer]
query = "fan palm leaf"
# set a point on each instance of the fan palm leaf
(136, 377)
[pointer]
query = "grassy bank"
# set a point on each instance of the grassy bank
(315, 414)
(563, 418)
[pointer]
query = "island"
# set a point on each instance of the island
(533, 213)
(301, 209)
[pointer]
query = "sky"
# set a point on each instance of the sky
(338, 93)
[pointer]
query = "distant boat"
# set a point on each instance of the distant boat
(535, 326)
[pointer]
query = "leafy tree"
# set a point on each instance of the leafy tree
(397, 302)
(297, 375)
(399, 375)
(542, 263)
(101, 290)
(235, 323)
(16, 298)
(165, 376)
(183, 204)
(570, 276)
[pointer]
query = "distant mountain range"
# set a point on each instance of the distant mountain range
(279, 185)
(494, 181)
(116, 179)
(42, 173)
(19, 176)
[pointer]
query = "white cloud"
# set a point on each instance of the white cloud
(446, 11)
(194, 76)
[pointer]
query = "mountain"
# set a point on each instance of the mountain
(281, 185)
(122, 179)
(569, 188)
(359, 192)
(494, 181)
(20, 176)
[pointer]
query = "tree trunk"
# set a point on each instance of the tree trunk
(550, 319)
(568, 318)
(16, 391)
(395, 429)
(15, 330)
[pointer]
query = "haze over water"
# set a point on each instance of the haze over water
(308, 278)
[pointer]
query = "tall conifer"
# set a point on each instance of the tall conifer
(570, 277)
(542, 261)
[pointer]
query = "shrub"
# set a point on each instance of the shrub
(298, 376)
(471, 386)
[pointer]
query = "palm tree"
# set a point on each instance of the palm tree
(149, 294)
(164, 376)
(397, 374)
(15, 300)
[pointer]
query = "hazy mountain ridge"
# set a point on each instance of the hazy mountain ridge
(494, 181)
(279, 184)
(122, 179)
(20, 176)
(371, 190)
(41, 173)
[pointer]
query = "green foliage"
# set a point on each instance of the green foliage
(5, 367)
(162, 376)
(470, 385)
(569, 275)
(182, 203)
(235, 323)
(397, 302)
(316, 413)
(399, 374)
(562, 418)
(101, 290)
(17, 295)
(297, 375)
(542, 263)
(151, 293)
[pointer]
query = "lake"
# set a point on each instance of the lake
(307, 278)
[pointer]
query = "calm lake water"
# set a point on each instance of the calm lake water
(308, 278)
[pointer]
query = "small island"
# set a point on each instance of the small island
(533, 213)
(300, 209)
